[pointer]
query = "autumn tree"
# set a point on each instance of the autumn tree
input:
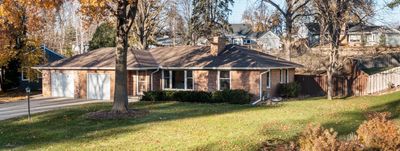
(210, 17)
(22, 24)
(333, 16)
(292, 11)
(124, 13)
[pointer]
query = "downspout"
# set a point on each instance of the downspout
(260, 85)
(151, 79)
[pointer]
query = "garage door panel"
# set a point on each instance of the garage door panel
(62, 85)
(99, 86)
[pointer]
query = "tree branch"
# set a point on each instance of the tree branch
(276, 6)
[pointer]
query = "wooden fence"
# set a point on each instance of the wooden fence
(384, 80)
(316, 85)
(359, 84)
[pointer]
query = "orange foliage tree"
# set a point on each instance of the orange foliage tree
(21, 25)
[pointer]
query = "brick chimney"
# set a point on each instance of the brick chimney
(217, 45)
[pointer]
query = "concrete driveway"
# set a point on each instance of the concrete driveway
(39, 104)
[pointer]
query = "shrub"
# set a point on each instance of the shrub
(191, 96)
(316, 138)
(379, 133)
(154, 96)
(226, 96)
(232, 96)
(289, 90)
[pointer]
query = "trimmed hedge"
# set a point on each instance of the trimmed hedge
(289, 90)
(226, 96)
(232, 96)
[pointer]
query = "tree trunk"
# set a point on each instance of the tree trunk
(1, 79)
(333, 57)
(120, 104)
(288, 39)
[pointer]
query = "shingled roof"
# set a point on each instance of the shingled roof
(181, 57)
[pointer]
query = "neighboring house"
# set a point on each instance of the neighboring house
(182, 68)
(312, 31)
(243, 35)
(364, 35)
(269, 41)
(48, 57)
(239, 34)
(166, 41)
(358, 35)
(202, 41)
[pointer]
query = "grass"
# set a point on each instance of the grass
(14, 95)
(189, 126)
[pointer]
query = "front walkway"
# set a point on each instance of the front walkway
(39, 104)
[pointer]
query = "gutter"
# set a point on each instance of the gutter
(151, 77)
(168, 68)
(260, 85)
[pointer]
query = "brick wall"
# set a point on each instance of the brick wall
(246, 80)
(46, 83)
(205, 80)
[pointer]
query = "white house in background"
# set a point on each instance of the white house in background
(269, 41)
(243, 35)
(238, 34)
(365, 35)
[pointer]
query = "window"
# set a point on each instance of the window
(166, 78)
(189, 80)
(370, 38)
(24, 74)
(355, 38)
(268, 79)
(178, 79)
(284, 76)
(224, 80)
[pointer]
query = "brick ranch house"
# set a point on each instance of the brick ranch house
(183, 68)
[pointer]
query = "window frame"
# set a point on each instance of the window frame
(284, 76)
(269, 79)
(22, 74)
(219, 79)
(171, 77)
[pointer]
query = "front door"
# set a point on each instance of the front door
(141, 82)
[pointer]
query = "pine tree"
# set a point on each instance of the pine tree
(210, 17)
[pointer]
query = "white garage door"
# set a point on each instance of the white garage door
(98, 87)
(62, 85)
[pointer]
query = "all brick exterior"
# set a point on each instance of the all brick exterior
(204, 80)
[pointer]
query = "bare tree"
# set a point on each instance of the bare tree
(174, 21)
(291, 10)
(333, 17)
(186, 9)
(260, 18)
(147, 21)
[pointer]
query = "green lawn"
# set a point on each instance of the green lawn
(189, 126)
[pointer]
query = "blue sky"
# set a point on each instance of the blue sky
(384, 15)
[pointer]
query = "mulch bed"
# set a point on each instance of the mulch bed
(108, 115)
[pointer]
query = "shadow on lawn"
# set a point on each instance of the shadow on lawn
(352, 120)
(71, 125)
